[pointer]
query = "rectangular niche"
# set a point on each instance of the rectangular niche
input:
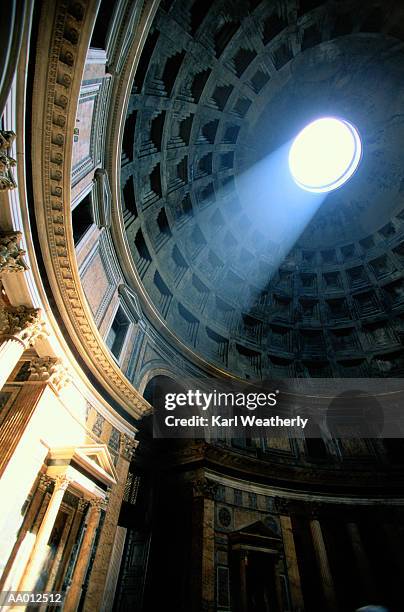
(117, 333)
(82, 218)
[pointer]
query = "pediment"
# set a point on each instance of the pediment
(97, 456)
(258, 529)
(94, 460)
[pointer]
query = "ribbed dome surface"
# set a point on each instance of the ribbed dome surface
(220, 87)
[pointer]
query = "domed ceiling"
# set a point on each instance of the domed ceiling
(235, 271)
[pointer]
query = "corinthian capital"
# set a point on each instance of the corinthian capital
(127, 446)
(98, 503)
(11, 254)
(44, 482)
(82, 505)
(6, 162)
(23, 323)
(49, 369)
(62, 482)
(7, 138)
(204, 488)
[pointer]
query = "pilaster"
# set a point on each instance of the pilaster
(291, 563)
(203, 546)
(99, 572)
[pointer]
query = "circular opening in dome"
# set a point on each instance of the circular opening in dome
(325, 154)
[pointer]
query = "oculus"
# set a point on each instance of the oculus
(325, 154)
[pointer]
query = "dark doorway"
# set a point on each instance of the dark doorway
(255, 569)
(260, 582)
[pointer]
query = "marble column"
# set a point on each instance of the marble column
(291, 563)
(74, 592)
(20, 327)
(320, 551)
(33, 566)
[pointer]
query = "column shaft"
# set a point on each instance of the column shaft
(33, 567)
(243, 582)
(74, 592)
(323, 565)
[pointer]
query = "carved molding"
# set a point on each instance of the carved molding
(11, 254)
(25, 324)
(64, 35)
(127, 446)
(49, 369)
(7, 180)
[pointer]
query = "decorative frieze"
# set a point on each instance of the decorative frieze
(10, 253)
(49, 369)
(7, 180)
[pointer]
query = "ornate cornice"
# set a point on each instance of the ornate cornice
(63, 39)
